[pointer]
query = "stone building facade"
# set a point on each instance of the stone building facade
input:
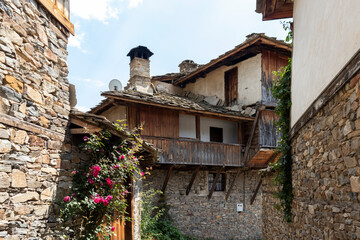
(326, 174)
(35, 159)
(197, 216)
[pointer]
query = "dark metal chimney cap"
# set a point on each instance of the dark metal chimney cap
(140, 52)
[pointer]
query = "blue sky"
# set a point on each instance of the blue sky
(174, 30)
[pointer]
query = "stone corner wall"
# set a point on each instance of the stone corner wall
(35, 151)
(326, 174)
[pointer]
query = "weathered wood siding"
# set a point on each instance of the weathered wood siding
(267, 128)
(270, 62)
(198, 153)
(159, 122)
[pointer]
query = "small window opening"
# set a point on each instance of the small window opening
(220, 184)
(216, 134)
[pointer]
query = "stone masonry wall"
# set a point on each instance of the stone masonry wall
(197, 216)
(35, 158)
(326, 174)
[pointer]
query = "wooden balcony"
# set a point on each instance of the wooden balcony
(193, 152)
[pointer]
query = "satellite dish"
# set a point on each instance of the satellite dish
(115, 85)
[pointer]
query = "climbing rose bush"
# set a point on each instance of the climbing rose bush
(100, 187)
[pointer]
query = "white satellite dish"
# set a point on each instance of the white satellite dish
(115, 85)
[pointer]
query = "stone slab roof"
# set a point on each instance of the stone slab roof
(166, 100)
(91, 120)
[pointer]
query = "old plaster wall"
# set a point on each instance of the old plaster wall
(249, 82)
(217, 219)
(326, 175)
(187, 126)
(325, 39)
(35, 159)
(230, 129)
(116, 113)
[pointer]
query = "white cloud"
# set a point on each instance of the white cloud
(101, 10)
(76, 41)
(82, 108)
(94, 9)
(134, 3)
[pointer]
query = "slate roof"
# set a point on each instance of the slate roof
(163, 99)
(103, 123)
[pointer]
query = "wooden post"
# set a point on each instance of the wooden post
(246, 153)
(214, 183)
(256, 191)
(167, 179)
(192, 180)
(197, 127)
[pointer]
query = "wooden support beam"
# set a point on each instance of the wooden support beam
(232, 184)
(240, 133)
(197, 127)
(84, 130)
(246, 153)
(17, 123)
(167, 179)
(256, 191)
(214, 183)
(251, 135)
(192, 180)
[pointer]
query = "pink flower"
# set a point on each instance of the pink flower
(126, 192)
(86, 138)
(117, 166)
(142, 174)
(95, 170)
(98, 200)
(112, 229)
(122, 157)
(108, 181)
(108, 198)
(67, 199)
(106, 202)
(91, 181)
(73, 172)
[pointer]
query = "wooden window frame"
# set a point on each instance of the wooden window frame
(51, 6)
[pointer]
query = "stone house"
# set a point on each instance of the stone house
(325, 121)
(214, 127)
(34, 114)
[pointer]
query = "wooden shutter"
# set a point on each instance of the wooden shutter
(231, 86)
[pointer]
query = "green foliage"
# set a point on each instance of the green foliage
(100, 186)
(156, 222)
(283, 167)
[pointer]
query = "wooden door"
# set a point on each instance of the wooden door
(231, 87)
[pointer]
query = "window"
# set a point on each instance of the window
(216, 134)
(220, 185)
(59, 9)
(231, 87)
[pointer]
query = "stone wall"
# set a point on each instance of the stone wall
(326, 174)
(35, 158)
(197, 216)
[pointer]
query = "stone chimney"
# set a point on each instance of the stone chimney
(139, 68)
(188, 66)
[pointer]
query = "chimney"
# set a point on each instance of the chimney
(139, 68)
(188, 66)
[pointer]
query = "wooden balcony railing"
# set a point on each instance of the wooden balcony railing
(192, 152)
